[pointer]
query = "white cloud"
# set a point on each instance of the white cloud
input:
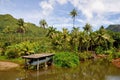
(95, 11)
(62, 1)
(47, 7)
(92, 11)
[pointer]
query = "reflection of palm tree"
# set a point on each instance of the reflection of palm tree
(73, 13)
(43, 23)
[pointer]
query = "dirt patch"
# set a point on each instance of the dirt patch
(7, 65)
(116, 62)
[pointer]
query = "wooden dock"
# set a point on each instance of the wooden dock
(37, 59)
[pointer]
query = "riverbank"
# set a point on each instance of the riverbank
(7, 65)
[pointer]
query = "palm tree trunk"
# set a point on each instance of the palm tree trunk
(73, 21)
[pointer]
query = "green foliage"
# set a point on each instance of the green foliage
(7, 20)
(33, 39)
(112, 54)
(1, 51)
(11, 53)
(99, 50)
(2, 58)
(24, 48)
(85, 55)
(66, 59)
(110, 51)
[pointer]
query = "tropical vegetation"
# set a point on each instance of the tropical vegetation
(19, 38)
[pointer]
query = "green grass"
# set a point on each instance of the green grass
(2, 58)
(16, 60)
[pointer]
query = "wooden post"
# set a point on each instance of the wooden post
(46, 63)
(52, 61)
(37, 64)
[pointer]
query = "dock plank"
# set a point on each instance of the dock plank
(36, 56)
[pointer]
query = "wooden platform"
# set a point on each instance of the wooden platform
(37, 59)
(36, 56)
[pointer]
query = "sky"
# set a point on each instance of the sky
(57, 12)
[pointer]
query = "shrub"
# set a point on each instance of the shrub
(110, 51)
(23, 48)
(99, 50)
(66, 59)
(11, 53)
(85, 55)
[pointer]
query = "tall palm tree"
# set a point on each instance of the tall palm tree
(73, 13)
(43, 23)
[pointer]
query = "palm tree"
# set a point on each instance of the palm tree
(21, 28)
(51, 32)
(81, 40)
(87, 28)
(65, 37)
(75, 38)
(20, 22)
(73, 13)
(102, 38)
(43, 23)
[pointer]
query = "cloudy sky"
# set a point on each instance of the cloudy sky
(56, 12)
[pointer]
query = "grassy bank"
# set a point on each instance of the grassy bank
(15, 60)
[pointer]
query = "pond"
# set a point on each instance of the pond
(89, 70)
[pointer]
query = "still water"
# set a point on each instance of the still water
(89, 70)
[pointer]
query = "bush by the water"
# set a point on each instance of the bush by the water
(23, 48)
(66, 59)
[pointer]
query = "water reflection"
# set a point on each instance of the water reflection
(89, 70)
(113, 78)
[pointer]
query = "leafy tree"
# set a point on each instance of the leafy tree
(73, 13)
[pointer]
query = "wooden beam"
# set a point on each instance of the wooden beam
(37, 64)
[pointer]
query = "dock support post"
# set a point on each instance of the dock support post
(46, 63)
(38, 64)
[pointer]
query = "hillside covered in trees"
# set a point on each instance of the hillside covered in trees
(21, 38)
(115, 28)
(9, 24)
